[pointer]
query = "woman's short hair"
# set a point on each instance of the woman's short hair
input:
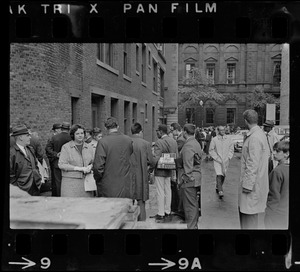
(96, 131)
(74, 128)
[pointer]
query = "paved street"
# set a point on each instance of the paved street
(216, 213)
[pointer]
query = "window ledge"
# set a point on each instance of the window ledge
(155, 93)
(149, 66)
(127, 78)
(107, 67)
(138, 73)
(144, 84)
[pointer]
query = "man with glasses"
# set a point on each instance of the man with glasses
(24, 171)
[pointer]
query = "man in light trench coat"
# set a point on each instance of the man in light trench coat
(254, 182)
(221, 150)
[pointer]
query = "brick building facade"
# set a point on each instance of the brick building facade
(235, 70)
(86, 83)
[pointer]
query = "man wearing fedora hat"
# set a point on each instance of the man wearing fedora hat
(53, 149)
(24, 171)
(272, 139)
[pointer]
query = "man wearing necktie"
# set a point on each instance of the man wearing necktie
(24, 171)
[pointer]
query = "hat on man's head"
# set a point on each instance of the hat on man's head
(65, 125)
(96, 130)
(20, 130)
(56, 126)
(268, 123)
(111, 122)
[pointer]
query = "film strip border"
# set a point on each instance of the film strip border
(166, 21)
(154, 250)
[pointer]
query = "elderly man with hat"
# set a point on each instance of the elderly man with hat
(53, 149)
(24, 171)
(272, 139)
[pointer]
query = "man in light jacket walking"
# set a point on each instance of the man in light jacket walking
(254, 182)
(221, 150)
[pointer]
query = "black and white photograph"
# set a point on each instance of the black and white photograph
(149, 136)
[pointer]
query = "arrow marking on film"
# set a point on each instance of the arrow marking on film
(167, 264)
(27, 264)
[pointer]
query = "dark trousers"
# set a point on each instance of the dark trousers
(142, 215)
(56, 182)
(191, 206)
(220, 180)
(175, 197)
(248, 221)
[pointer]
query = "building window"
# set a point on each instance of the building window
(134, 113)
(162, 83)
(154, 76)
(144, 63)
(126, 117)
(209, 116)
(106, 53)
(146, 111)
(149, 58)
(190, 115)
(231, 115)
(74, 110)
(114, 109)
(137, 58)
(230, 73)
(125, 59)
(188, 69)
(210, 72)
(277, 73)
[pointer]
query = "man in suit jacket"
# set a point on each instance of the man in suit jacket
(190, 176)
(53, 149)
(111, 167)
(24, 171)
(141, 159)
(176, 203)
(164, 144)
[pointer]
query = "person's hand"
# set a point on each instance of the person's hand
(88, 169)
(246, 191)
(78, 168)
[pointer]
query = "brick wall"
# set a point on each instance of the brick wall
(44, 78)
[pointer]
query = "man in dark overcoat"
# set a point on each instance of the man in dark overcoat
(24, 171)
(140, 160)
(190, 177)
(111, 167)
(53, 149)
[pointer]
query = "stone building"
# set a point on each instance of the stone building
(235, 70)
(86, 83)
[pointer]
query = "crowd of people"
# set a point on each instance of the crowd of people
(80, 162)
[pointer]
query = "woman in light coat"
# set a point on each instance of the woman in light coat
(75, 161)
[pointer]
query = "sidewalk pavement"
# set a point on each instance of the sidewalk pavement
(216, 213)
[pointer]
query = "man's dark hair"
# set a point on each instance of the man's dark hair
(189, 129)
(111, 122)
(136, 128)
(251, 116)
(176, 126)
(163, 128)
(74, 128)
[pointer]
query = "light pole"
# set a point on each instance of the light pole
(201, 104)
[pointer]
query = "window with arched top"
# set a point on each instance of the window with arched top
(190, 50)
